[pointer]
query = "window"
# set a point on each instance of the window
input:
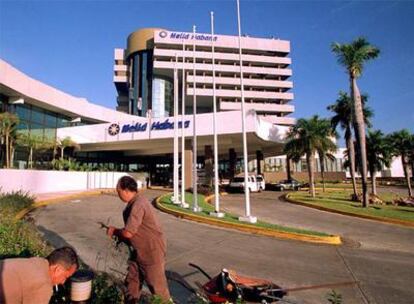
(50, 119)
(23, 111)
(37, 116)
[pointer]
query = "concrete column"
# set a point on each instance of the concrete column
(188, 160)
(208, 164)
(259, 162)
(151, 172)
(232, 162)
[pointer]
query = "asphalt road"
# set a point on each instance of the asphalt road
(384, 275)
(268, 206)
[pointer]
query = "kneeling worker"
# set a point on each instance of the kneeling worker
(31, 280)
(143, 233)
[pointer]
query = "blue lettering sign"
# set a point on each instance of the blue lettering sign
(157, 125)
(187, 36)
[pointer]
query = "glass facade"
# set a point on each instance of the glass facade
(38, 121)
(162, 97)
(141, 83)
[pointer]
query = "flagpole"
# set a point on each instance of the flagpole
(196, 208)
(248, 217)
(183, 202)
(176, 192)
(216, 212)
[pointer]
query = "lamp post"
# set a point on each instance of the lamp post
(247, 217)
(196, 208)
(216, 212)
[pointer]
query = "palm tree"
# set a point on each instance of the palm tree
(65, 143)
(403, 145)
(323, 155)
(378, 155)
(8, 126)
(32, 143)
(352, 57)
(306, 137)
(342, 109)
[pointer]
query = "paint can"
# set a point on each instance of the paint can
(81, 286)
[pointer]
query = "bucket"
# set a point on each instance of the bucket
(81, 286)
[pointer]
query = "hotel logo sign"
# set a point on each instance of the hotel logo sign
(163, 34)
(186, 36)
(114, 128)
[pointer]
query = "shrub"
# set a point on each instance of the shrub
(20, 239)
(205, 190)
(13, 202)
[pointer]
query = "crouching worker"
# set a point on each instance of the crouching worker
(143, 233)
(31, 280)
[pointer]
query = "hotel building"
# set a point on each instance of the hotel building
(139, 135)
(143, 74)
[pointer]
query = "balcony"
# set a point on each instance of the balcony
(265, 83)
(221, 56)
(285, 121)
(237, 94)
(258, 107)
(222, 68)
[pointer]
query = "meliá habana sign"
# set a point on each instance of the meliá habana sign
(115, 128)
(186, 36)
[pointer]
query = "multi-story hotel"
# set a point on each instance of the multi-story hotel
(139, 136)
(143, 74)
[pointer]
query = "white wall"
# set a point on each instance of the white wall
(38, 181)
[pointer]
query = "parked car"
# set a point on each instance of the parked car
(261, 182)
(287, 184)
(237, 184)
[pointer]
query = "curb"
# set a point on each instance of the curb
(166, 189)
(46, 202)
(367, 217)
(329, 240)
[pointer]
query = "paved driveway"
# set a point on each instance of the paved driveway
(384, 276)
(269, 206)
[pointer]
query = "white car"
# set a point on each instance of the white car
(237, 183)
(261, 182)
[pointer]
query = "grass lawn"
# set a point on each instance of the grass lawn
(340, 201)
(232, 218)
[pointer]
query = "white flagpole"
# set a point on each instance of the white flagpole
(176, 192)
(183, 93)
(195, 177)
(216, 176)
(247, 217)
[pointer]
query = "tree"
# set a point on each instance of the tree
(8, 126)
(353, 56)
(32, 143)
(65, 143)
(342, 109)
(378, 155)
(403, 145)
(323, 155)
(307, 137)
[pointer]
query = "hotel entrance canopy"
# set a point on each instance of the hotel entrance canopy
(154, 136)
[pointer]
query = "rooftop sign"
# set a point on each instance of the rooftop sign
(186, 36)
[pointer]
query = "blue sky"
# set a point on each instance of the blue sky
(69, 44)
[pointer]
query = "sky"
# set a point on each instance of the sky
(69, 44)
